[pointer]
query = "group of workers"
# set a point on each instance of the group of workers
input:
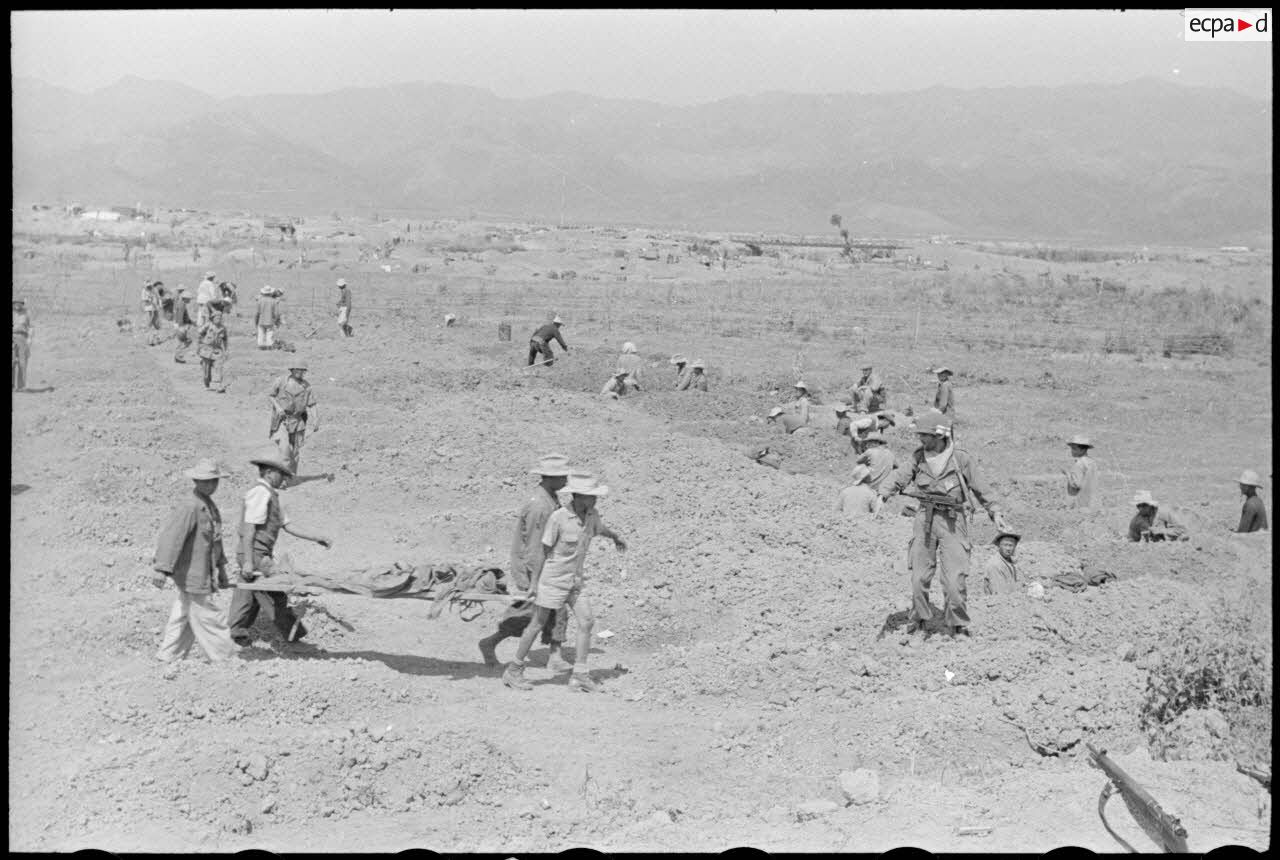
(628, 378)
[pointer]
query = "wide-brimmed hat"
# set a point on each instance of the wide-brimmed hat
(182, 291)
(697, 365)
(207, 470)
(860, 474)
(775, 412)
(1143, 497)
(552, 465)
(868, 367)
(1081, 440)
(842, 407)
(583, 484)
(677, 359)
(933, 422)
(1004, 534)
(211, 274)
(556, 319)
(866, 423)
(942, 368)
(266, 290)
(298, 363)
(621, 371)
(277, 292)
(801, 384)
(272, 460)
(342, 282)
(628, 347)
(1250, 478)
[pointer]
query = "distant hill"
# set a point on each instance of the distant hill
(1144, 161)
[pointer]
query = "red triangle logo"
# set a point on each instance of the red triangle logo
(1242, 25)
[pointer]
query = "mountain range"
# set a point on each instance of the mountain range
(1144, 161)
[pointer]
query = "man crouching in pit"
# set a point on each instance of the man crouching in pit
(559, 581)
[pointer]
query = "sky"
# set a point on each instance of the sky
(678, 57)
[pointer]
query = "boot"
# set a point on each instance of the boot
(960, 632)
(556, 661)
(488, 648)
(583, 682)
(513, 677)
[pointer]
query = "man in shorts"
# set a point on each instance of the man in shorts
(559, 580)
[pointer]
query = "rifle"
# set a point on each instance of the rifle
(931, 502)
(1164, 828)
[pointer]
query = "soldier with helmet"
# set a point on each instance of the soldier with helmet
(293, 410)
(944, 480)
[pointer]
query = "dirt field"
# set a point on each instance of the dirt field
(747, 671)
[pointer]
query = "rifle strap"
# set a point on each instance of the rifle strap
(1107, 791)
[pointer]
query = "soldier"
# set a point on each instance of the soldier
(869, 394)
(189, 553)
(23, 334)
(182, 324)
(293, 409)
(679, 362)
(1082, 480)
(267, 317)
(1253, 516)
(540, 341)
(878, 459)
(943, 400)
(858, 499)
(527, 557)
(344, 308)
(560, 581)
(260, 525)
(212, 349)
(946, 482)
(1000, 573)
(618, 385)
(1149, 524)
(632, 363)
(695, 379)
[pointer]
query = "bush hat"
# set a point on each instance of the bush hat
(1081, 440)
(678, 358)
(775, 412)
(266, 290)
(1249, 478)
(271, 459)
(342, 282)
(621, 371)
(207, 470)
(942, 368)
(801, 384)
(697, 365)
(868, 367)
(298, 364)
(552, 465)
(556, 319)
(860, 474)
(1003, 534)
(1143, 497)
(628, 347)
(211, 274)
(583, 484)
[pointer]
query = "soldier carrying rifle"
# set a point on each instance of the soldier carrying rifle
(944, 479)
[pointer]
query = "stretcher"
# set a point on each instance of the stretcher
(464, 589)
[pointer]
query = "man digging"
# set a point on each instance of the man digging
(540, 342)
(527, 556)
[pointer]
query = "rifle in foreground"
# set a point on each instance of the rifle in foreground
(1164, 828)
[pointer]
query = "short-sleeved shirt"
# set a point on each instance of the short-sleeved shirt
(293, 396)
(568, 538)
(858, 500)
(1253, 516)
(263, 514)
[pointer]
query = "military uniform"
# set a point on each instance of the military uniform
(941, 533)
(212, 349)
(292, 397)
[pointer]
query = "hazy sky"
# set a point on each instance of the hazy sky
(675, 57)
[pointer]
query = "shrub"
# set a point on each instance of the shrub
(1219, 663)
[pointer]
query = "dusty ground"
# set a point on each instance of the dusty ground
(746, 673)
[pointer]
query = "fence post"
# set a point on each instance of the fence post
(915, 338)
